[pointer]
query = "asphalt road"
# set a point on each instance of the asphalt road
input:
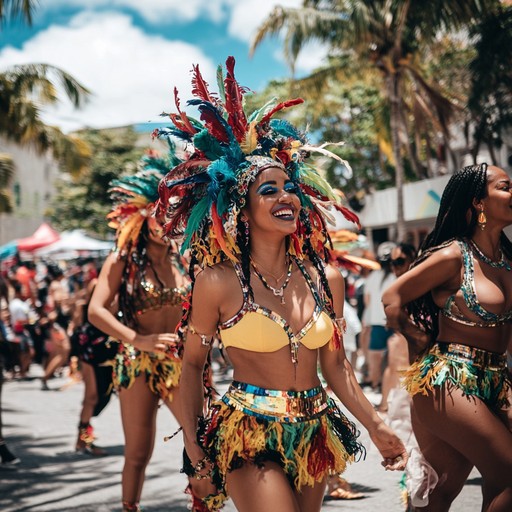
(41, 428)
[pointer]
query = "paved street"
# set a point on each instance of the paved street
(41, 426)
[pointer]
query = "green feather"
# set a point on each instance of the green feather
(310, 176)
(197, 215)
(220, 83)
(257, 115)
(208, 144)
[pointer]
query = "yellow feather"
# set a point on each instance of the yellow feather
(250, 141)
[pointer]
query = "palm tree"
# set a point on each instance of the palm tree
(490, 99)
(22, 90)
(6, 175)
(10, 9)
(390, 36)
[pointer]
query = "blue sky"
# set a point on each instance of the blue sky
(131, 53)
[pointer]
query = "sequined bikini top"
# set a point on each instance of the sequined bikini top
(143, 295)
(151, 296)
(451, 311)
(259, 329)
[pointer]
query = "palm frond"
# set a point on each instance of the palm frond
(7, 170)
(12, 9)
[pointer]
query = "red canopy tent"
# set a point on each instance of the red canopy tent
(43, 236)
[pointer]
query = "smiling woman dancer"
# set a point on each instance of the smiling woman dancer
(459, 292)
(250, 210)
(148, 278)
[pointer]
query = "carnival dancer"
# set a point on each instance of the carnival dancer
(148, 279)
(94, 350)
(455, 308)
(251, 212)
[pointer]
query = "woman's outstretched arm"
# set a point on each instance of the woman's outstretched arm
(340, 377)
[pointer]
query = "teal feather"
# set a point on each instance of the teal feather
(222, 177)
(208, 144)
(146, 186)
(257, 115)
(286, 129)
(197, 216)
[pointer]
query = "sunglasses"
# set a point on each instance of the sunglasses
(398, 262)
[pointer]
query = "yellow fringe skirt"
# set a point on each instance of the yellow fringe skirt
(303, 431)
(476, 372)
(162, 370)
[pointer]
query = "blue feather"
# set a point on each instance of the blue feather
(286, 129)
(200, 177)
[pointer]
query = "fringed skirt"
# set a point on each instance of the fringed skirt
(161, 370)
(476, 372)
(303, 431)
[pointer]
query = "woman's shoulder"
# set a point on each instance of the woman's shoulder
(218, 276)
(447, 252)
(333, 274)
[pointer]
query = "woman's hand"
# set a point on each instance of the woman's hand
(390, 447)
(200, 482)
(161, 342)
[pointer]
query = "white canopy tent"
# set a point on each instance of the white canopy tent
(73, 244)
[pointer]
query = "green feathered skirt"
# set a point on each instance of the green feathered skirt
(302, 431)
(161, 370)
(476, 372)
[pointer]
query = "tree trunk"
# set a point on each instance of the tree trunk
(393, 89)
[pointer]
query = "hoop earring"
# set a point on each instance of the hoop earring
(482, 219)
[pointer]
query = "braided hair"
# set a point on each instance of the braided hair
(456, 219)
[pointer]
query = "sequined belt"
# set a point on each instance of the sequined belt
(276, 405)
(465, 353)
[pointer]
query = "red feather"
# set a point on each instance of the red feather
(200, 86)
(181, 121)
(218, 229)
(281, 106)
(213, 125)
(348, 214)
(234, 105)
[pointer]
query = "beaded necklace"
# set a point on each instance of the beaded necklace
(278, 292)
(502, 263)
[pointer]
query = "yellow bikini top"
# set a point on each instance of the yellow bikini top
(259, 329)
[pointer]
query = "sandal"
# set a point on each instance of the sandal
(339, 489)
(85, 442)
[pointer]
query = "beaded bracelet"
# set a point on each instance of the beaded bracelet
(200, 465)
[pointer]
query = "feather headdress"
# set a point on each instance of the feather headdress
(134, 197)
(202, 197)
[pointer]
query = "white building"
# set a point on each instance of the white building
(31, 190)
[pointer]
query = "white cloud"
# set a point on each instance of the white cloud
(131, 74)
(247, 16)
(154, 11)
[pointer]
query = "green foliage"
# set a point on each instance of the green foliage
(83, 201)
(490, 100)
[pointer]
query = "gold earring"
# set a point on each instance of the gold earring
(482, 219)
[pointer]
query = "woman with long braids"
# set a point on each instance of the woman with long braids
(251, 212)
(455, 308)
(148, 279)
